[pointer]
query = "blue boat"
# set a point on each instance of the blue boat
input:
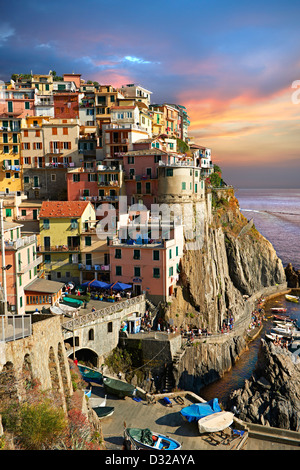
(145, 439)
(200, 410)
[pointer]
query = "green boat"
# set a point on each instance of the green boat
(145, 439)
(118, 387)
(72, 302)
(90, 375)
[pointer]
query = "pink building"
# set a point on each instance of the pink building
(150, 265)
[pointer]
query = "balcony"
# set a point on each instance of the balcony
(29, 266)
(57, 248)
(95, 267)
(19, 243)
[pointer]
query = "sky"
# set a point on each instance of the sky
(235, 65)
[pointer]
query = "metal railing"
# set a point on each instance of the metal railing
(13, 327)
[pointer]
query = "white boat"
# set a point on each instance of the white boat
(292, 298)
(287, 333)
(272, 336)
(215, 422)
(278, 309)
(283, 324)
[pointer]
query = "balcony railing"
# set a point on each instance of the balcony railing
(20, 242)
(94, 267)
(13, 327)
(58, 248)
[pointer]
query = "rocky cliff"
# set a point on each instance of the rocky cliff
(234, 261)
(272, 396)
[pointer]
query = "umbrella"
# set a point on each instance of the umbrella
(95, 283)
(119, 286)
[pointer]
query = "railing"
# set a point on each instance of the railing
(42, 248)
(14, 245)
(94, 267)
(82, 320)
(13, 327)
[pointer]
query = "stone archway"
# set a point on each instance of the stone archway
(63, 370)
(87, 356)
(8, 384)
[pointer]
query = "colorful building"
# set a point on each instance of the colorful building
(63, 235)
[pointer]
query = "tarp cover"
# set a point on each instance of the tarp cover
(141, 435)
(199, 410)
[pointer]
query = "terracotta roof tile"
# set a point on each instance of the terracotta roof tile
(62, 208)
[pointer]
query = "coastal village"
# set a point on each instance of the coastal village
(98, 191)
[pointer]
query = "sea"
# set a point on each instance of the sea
(276, 215)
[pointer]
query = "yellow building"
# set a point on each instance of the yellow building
(10, 174)
(63, 237)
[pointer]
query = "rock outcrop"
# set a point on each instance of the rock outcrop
(292, 276)
(272, 396)
(235, 261)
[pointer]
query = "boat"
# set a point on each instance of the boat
(90, 375)
(197, 411)
(215, 422)
(292, 298)
(278, 309)
(145, 439)
(104, 411)
(282, 317)
(286, 333)
(72, 302)
(118, 387)
(272, 336)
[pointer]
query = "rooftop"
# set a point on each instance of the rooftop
(44, 285)
(63, 209)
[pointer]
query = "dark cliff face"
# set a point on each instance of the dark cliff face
(235, 260)
(272, 396)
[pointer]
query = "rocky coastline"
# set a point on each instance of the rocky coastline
(272, 396)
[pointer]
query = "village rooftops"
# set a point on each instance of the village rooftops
(44, 285)
(56, 209)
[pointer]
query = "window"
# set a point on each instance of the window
(118, 253)
(7, 175)
(109, 327)
(88, 241)
(10, 106)
(27, 105)
(5, 149)
(58, 275)
(23, 212)
(183, 185)
(46, 224)
(136, 254)
(170, 254)
(88, 259)
(176, 250)
(47, 259)
(171, 271)
(8, 212)
(76, 178)
(26, 179)
(156, 273)
(169, 172)
(137, 271)
(54, 130)
(118, 270)
(91, 336)
(53, 177)
(155, 255)
(148, 188)
(139, 188)
(130, 160)
(65, 131)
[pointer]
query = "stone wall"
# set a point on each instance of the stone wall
(43, 355)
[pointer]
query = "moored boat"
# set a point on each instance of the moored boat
(104, 411)
(118, 387)
(215, 422)
(278, 309)
(90, 375)
(197, 411)
(145, 439)
(285, 332)
(292, 298)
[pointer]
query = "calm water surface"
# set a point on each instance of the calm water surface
(276, 214)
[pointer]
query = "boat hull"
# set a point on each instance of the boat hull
(104, 411)
(117, 387)
(215, 422)
(159, 441)
(292, 298)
